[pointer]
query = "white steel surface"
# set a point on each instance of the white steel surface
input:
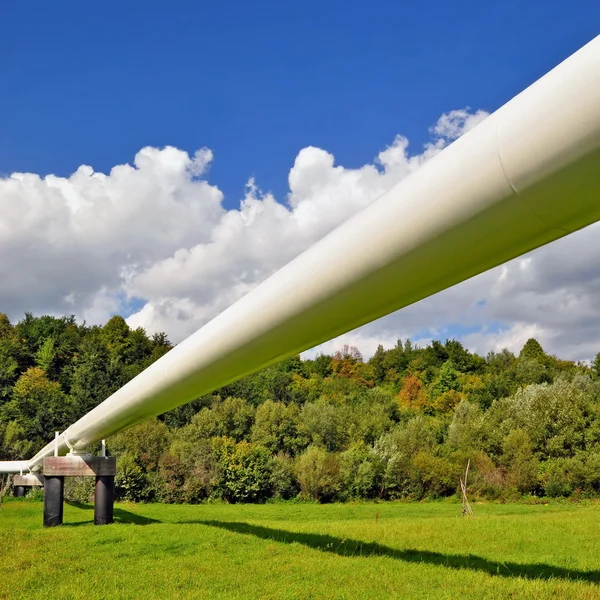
(14, 466)
(527, 175)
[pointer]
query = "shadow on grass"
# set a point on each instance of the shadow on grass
(349, 547)
(121, 516)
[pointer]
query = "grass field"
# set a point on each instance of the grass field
(303, 551)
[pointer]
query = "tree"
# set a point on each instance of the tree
(520, 461)
(320, 366)
(348, 363)
(94, 375)
(39, 406)
(412, 394)
(323, 424)
(318, 473)
(377, 362)
(276, 427)
(446, 380)
(531, 370)
(14, 442)
(44, 357)
(232, 418)
(532, 350)
(145, 443)
(9, 371)
(361, 471)
(6, 329)
(596, 365)
(245, 468)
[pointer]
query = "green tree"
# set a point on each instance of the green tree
(532, 350)
(39, 406)
(520, 461)
(45, 355)
(276, 427)
(318, 473)
(596, 365)
(245, 470)
(361, 472)
(9, 371)
(94, 375)
(377, 362)
(324, 424)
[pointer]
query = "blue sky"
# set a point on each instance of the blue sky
(92, 83)
(268, 87)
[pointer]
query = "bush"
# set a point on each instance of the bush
(79, 489)
(485, 480)
(172, 474)
(318, 473)
(361, 472)
(521, 464)
(437, 476)
(592, 473)
(245, 470)
(36, 494)
(283, 481)
(131, 483)
(562, 476)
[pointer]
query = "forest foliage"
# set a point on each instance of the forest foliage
(401, 425)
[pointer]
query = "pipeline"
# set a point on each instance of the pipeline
(527, 175)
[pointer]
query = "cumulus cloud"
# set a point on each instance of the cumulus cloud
(155, 233)
(552, 294)
(455, 123)
(74, 243)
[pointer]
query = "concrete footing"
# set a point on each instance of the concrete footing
(56, 468)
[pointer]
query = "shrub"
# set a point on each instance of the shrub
(485, 480)
(436, 474)
(283, 481)
(172, 474)
(245, 470)
(318, 473)
(562, 476)
(79, 489)
(361, 472)
(131, 483)
(521, 464)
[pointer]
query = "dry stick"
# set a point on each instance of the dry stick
(2, 486)
(466, 507)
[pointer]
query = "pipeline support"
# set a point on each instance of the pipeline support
(54, 496)
(56, 468)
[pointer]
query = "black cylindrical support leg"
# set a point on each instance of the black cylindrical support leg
(54, 495)
(19, 491)
(104, 499)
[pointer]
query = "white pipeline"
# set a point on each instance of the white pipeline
(527, 175)
(14, 466)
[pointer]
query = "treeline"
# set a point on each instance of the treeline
(54, 370)
(401, 425)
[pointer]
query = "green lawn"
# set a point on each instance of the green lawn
(303, 551)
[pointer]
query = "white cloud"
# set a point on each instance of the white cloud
(66, 241)
(157, 231)
(455, 123)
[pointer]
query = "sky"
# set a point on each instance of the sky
(159, 160)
